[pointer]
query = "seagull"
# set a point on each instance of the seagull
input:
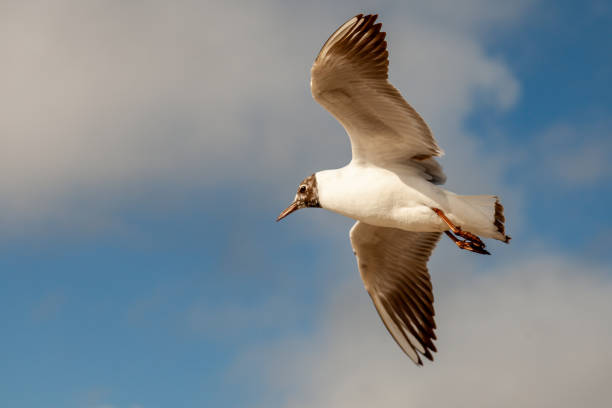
(391, 187)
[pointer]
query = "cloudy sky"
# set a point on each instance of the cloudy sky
(147, 146)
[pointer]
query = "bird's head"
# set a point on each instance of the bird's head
(307, 196)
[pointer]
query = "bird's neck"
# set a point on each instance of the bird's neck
(332, 186)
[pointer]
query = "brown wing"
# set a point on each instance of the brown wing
(349, 78)
(393, 266)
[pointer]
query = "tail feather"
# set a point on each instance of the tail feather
(500, 219)
(482, 215)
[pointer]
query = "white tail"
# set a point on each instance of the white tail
(481, 215)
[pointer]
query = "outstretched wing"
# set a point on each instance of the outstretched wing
(349, 78)
(393, 266)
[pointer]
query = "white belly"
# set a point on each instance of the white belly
(380, 197)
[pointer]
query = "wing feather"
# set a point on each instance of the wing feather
(349, 79)
(393, 266)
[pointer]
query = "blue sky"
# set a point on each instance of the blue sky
(147, 149)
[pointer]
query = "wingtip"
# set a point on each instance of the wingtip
(368, 17)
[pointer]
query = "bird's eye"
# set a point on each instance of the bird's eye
(302, 189)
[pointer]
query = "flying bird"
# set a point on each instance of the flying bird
(391, 186)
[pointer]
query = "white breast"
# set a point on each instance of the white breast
(381, 197)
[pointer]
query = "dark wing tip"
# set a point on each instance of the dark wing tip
(358, 38)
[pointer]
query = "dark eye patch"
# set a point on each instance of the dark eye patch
(302, 189)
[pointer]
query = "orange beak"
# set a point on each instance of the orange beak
(292, 207)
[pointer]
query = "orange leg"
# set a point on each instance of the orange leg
(467, 245)
(457, 230)
(471, 242)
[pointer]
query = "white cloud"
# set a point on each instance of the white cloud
(530, 333)
(102, 101)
